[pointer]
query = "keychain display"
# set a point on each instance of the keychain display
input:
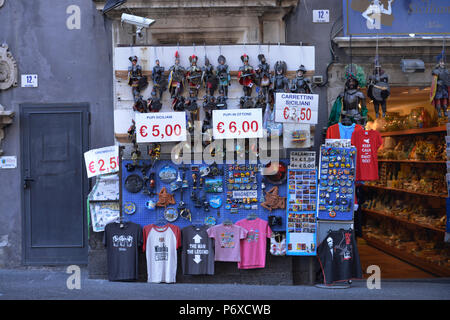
(336, 183)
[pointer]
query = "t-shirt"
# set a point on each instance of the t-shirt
(122, 250)
(253, 247)
(340, 131)
(160, 245)
(198, 251)
(338, 257)
(367, 144)
(227, 241)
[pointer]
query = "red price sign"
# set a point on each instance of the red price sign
(161, 127)
(296, 108)
(102, 161)
(237, 124)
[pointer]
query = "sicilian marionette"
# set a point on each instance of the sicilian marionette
(300, 84)
(263, 74)
(136, 79)
(351, 104)
(221, 101)
(194, 75)
(280, 83)
(246, 76)
(223, 74)
(378, 89)
(176, 78)
(140, 105)
(209, 104)
(439, 87)
(154, 102)
(209, 78)
(191, 106)
(159, 79)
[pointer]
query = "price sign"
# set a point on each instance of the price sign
(160, 127)
(237, 124)
(302, 160)
(296, 108)
(102, 161)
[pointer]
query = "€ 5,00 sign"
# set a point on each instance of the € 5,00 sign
(102, 161)
(237, 124)
(296, 108)
(160, 127)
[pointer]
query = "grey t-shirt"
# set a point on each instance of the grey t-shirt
(197, 251)
(122, 250)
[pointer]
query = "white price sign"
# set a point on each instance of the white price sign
(102, 161)
(160, 127)
(302, 160)
(237, 124)
(296, 108)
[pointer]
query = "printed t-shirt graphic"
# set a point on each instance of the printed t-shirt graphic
(122, 250)
(160, 246)
(227, 241)
(198, 251)
(338, 256)
(367, 144)
(253, 248)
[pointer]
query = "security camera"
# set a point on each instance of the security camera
(137, 21)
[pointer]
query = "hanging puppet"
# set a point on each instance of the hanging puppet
(351, 103)
(223, 73)
(300, 84)
(209, 78)
(176, 78)
(378, 89)
(439, 86)
(191, 106)
(159, 80)
(136, 80)
(194, 75)
(280, 83)
(263, 74)
(154, 102)
(246, 76)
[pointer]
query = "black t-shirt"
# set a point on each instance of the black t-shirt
(122, 246)
(197, 251)
(338, 256)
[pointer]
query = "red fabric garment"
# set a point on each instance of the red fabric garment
(367, 144)
(333, 131)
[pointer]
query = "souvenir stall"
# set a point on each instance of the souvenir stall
(204, 170)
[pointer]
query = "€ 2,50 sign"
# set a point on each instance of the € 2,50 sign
(237, 124)
(102, 161)
(160, 127)
(296, 108)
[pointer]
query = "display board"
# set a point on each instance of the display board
(301, 232)
(336, 183)
(231, 191)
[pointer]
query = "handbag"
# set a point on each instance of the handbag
(278, 244)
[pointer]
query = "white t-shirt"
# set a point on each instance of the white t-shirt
(160, 245)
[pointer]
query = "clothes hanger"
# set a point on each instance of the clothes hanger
(252, 216)
(227, 222)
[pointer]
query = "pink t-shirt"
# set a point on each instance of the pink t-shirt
(227, 241)
(253, 248)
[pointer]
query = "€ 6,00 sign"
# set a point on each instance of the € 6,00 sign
(160, 127)
(102, 161)
(296, 108)
(237, 124)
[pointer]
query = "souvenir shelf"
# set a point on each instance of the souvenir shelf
(404, 210)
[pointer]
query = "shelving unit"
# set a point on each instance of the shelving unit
(408, 257)
(380, 217)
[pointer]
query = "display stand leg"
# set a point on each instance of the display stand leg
(120, 182)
